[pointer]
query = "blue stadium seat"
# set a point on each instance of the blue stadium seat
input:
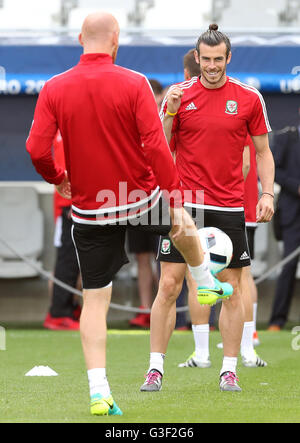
(22, 227)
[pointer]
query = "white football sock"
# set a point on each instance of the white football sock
(202, 275)
(254, 315)
(201, 338)
(229, 365)
(247, 349)
(98, 382)
(157, 361)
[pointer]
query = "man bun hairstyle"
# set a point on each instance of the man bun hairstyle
(213, 37)
(213, 27)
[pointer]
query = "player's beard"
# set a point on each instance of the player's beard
(214, 81)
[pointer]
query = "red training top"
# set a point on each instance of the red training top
(115, 149)
(209, 133)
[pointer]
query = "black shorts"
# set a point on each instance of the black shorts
(140, 242)
(232, 223)
(250, 235)
(101, 248)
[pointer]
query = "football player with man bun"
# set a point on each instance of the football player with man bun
(206, 121)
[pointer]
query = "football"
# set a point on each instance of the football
(219, 247)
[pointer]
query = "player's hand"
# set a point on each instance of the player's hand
(64, 189)
(265, 209)
(174, 99)
(182, 224)
(178, 223)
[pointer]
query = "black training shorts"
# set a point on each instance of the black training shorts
(101, 248)
(250, 236)
(230, 222)
(140, 242)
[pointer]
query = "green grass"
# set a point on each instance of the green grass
(189, 395)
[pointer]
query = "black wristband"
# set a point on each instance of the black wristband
(267, 193)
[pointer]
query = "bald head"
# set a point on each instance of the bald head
(100, 34)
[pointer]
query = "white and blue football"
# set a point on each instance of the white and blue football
(219, 247)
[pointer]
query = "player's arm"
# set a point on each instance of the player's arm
(173, 102)
(246, 161)
(168, 125)
(158, 156)
(153, 140)
(266, 174)
(40, 140)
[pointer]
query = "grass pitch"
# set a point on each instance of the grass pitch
(189, 395)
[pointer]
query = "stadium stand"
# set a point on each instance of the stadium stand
(44, 49)
(151, 14)
(21, 225)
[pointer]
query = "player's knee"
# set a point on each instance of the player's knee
(236, 298)
(170, 287)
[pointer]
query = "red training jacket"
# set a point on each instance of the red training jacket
(116, 153)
